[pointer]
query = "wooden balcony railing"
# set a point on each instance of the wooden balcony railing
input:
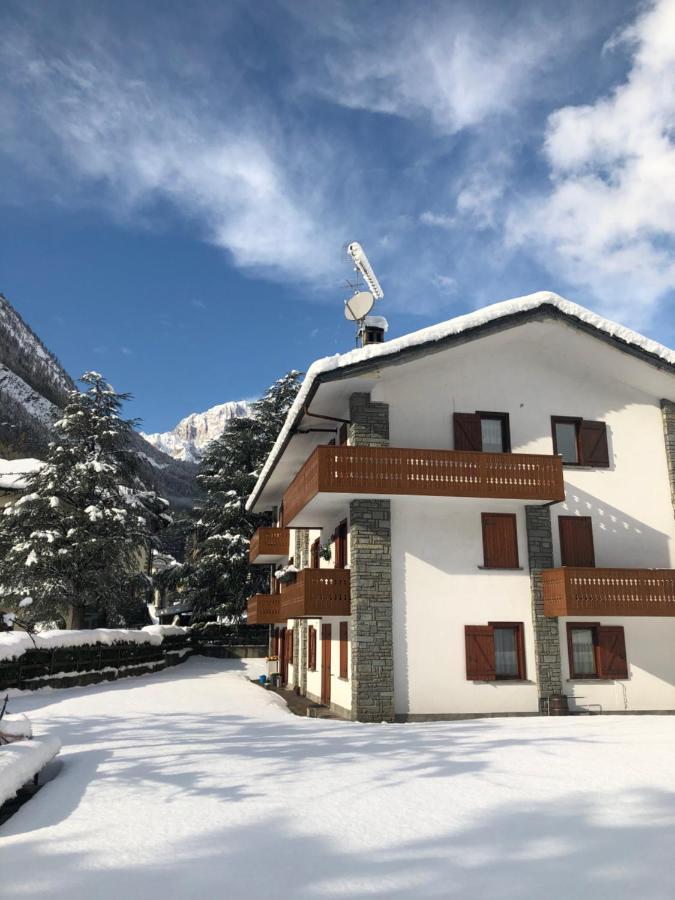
(264, 609)
(437, 473)
(609, 592)
(269, 543)
(317, 592)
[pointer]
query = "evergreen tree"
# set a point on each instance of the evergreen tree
(218, 577)
(76, 540)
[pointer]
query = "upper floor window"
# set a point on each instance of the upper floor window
(500, 541)
(486, 431)
(580, 442)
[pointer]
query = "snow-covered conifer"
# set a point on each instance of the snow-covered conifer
(76, 540)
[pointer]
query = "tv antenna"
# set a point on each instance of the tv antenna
(359, 305)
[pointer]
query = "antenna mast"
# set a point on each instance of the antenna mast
(361, 302)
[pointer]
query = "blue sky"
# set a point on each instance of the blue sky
(178, 181)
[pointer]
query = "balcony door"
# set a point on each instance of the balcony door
(576, 541)
(325, 663)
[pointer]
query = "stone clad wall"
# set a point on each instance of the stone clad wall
(372, 664)
(546, 629)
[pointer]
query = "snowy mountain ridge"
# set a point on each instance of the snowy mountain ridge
(191, 435)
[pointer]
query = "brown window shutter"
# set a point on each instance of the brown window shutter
(344, 634)
(290, 645)
(315, 554)
(576, 541)
(480, 653)
(612, 661)
(500, 541)
(342, 434)
(466, 427)
(311, 648)
(593, 444)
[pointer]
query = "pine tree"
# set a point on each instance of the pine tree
(219, 578)
(75, 541)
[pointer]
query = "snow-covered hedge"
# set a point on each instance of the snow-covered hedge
(65, 658)
(15, 643)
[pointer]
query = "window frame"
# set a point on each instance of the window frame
(583, 626)
(567, 420)
(514, 518)
(506, 428)
(518, 627)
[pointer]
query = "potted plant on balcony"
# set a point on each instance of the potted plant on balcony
(286, 575)
(325, 552)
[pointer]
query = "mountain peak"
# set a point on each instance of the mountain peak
(191, 435)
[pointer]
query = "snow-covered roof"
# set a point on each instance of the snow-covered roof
(13, 473)
(450, 328)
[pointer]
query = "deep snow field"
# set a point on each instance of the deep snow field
(195, 783)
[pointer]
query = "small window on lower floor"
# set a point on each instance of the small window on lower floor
(495, 652)
(596, 651)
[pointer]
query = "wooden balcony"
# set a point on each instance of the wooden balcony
(609, 592)
(268, 545)
(430, 473)
(317, 592)
(264, 609)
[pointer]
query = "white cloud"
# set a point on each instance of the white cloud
(608, 222)
(438, 62)
(246, 185)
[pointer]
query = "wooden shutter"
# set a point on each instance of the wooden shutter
(341, 546)
(612, 661)
(344, 635)
(315, 554)
(480, 653)
(500, 541)
(289, 635)
(311, 649)
(467, 434)
(342, 434)
(593, 444)
(576, 541)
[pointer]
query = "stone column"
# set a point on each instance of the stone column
(668, 412)
(369, 422)
(546, 629)
(372, 666)
(301, 560)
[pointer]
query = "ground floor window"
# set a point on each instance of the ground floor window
(596, 651)
(495, 652)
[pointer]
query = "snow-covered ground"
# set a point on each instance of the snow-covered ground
(195, 783)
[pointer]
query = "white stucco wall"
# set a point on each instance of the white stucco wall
(340, 688)
(437, 590)
(650, 652)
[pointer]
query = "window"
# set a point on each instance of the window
(344, 641)
(311, 648)
(495, 652)
(576, 541)
(580, 442)
(596, 651)
(484, 431)
(500, 541)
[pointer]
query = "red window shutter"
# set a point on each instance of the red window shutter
(500, 541)
(290, 645)
(480, 652)
(467, 433)
(593, 444)
(612, 661)
(344, 635)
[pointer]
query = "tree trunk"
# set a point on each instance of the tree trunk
(74, 617)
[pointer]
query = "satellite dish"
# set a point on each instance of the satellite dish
(358, 306)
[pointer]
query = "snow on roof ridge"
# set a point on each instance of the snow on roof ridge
(457, 325)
